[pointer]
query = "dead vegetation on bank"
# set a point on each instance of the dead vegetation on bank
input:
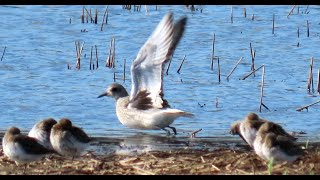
(186, 161)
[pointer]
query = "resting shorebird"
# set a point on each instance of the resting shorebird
(41, 131)
(21, 148)
(68, 140)
(247, 128)
(146, 108)
(269, 144)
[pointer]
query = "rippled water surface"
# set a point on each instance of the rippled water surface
(40, 43)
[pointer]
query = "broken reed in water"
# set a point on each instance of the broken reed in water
(308, 32)
(110, 62)
(124, 70)
(219, 78)
(212, 57)
(310, 80)
(167, 71)
(181, 64)
(90, 58)
(262, 85)
(291, 10)
(253, 55)
(78, 53)
(307, 106)
(319, 81)
(273, 24)
(234, 68)
(97, 60)
(4, 50)
(231, 14)
(245, 77)
(104, 17)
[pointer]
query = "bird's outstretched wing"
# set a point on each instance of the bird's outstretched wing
(147, 68)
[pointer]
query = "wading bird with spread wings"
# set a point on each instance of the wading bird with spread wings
(146, 108)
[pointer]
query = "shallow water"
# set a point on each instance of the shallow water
(36, 83)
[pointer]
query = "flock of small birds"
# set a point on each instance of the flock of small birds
(145, 108)
(46, 137)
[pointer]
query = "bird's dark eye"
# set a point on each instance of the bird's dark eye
(115, 89)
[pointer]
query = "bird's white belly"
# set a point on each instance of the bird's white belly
(148, 120)
(15, 153)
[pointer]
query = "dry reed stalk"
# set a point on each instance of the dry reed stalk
(181, 64)
(124, 70)
(307, 106)
(310, 80)
(87, 16)
(88, 13)
(262, 85)
(253, 55)
(212, 57)
(90, 58)
(298, 9)
(306, 9)
(108, 61)
(219, 77)
(298, 32)
(193, 134)
(97, 60)
(245, 12)
(70, 21)
(113, 52)
(91, 15)
(156, 7)
(4, 50)
(273, 24)
(308, 32)
(82, 16)
(245, 77)
(231, 14)
(167, 71)
(252, 17)
(114, 76)
(319, 81)
(79, 52)
(104, 16)
(234, 68)
(291, 11)
(96, 17)
(146, 8)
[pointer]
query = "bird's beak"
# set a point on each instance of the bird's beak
(103, 94)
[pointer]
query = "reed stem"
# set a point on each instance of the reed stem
(181, 64)
(262, 85)
(212, 57)
(245, 77)
(219, 77)
(4, 50)
(234, 68)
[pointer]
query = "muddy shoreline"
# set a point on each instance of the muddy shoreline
(150, 154)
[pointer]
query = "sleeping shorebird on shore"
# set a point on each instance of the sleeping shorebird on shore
(41, 131)
(68, 140)
(270, 145)
(145, 108)
(21, 148)
(249, 126)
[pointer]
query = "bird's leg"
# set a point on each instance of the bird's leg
(173, 129)
(168, 132)
(25, 167)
